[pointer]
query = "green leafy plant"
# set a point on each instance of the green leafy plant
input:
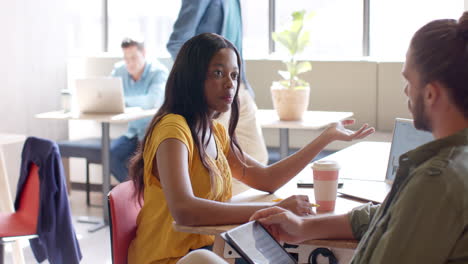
(295, 39)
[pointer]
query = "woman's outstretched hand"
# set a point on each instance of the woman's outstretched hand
(337, 131)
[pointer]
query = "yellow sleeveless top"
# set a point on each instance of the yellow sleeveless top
(156, 240)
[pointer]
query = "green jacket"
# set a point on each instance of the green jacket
(424, 218)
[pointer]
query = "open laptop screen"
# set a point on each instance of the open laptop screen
(99, 95)
(405, 138)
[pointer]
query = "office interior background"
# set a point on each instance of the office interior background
(39, 39)
(357, 50)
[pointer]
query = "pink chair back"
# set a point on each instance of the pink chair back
(123, 212)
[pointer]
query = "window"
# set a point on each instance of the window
(255, 28)
(393, 23)
(336, 29)
(152, 20)
(85, 27)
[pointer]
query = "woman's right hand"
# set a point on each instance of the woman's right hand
(298, 204)
(338, 131)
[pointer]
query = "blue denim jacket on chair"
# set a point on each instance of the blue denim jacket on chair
(56, 239)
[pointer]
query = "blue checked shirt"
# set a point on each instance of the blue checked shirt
(147, 93)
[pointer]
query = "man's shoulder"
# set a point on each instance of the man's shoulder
(156, 66)
(449, 157)
(120, 68)
(449, 164)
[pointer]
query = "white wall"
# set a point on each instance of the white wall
(391, 99)
(466, 4)
(33, 65)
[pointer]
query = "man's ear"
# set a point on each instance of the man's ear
(432, 93)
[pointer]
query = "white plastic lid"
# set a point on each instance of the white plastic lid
(326, 165)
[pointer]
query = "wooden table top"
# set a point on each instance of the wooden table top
(134, 114)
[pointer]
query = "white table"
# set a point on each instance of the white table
(352, 159)
(311, 120)
(365, 160)
(6, 202)
(105, 120)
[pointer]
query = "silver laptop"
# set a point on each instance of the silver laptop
(405, 138)
(100, 95)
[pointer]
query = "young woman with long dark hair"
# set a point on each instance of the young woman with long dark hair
(185, 164)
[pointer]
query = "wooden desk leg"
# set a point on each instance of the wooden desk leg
(218, 248)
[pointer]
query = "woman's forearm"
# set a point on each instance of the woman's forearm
(276, 175)
(199, 212)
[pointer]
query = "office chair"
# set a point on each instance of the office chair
(123, 212)
(89, 149)
(23, 222)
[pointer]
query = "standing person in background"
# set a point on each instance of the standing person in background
(143, 83)
(224, 18)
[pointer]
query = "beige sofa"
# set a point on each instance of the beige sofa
(372, 90)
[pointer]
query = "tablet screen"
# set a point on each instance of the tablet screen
(256, 245)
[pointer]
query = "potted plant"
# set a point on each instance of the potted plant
(291, 95)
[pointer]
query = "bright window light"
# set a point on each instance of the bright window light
(393, 23)
(152, 20)
(336, 29)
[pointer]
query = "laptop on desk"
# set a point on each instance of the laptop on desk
(100, 95)
(405, 138)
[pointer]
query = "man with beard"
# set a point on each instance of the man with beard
(424, 218)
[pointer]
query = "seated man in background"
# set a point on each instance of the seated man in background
(223, 18)
(144, 83)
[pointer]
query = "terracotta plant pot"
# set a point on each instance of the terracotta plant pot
(290, 104)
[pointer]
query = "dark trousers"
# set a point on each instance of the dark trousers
(122, 149)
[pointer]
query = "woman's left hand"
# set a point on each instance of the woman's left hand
(337, 131)
(298, 204)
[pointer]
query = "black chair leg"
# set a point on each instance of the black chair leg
(88, 202)
(2, 255)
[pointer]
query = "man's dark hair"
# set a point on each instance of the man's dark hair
(129, 42)
(440, 53)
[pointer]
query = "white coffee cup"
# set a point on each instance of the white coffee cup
(325, 183)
